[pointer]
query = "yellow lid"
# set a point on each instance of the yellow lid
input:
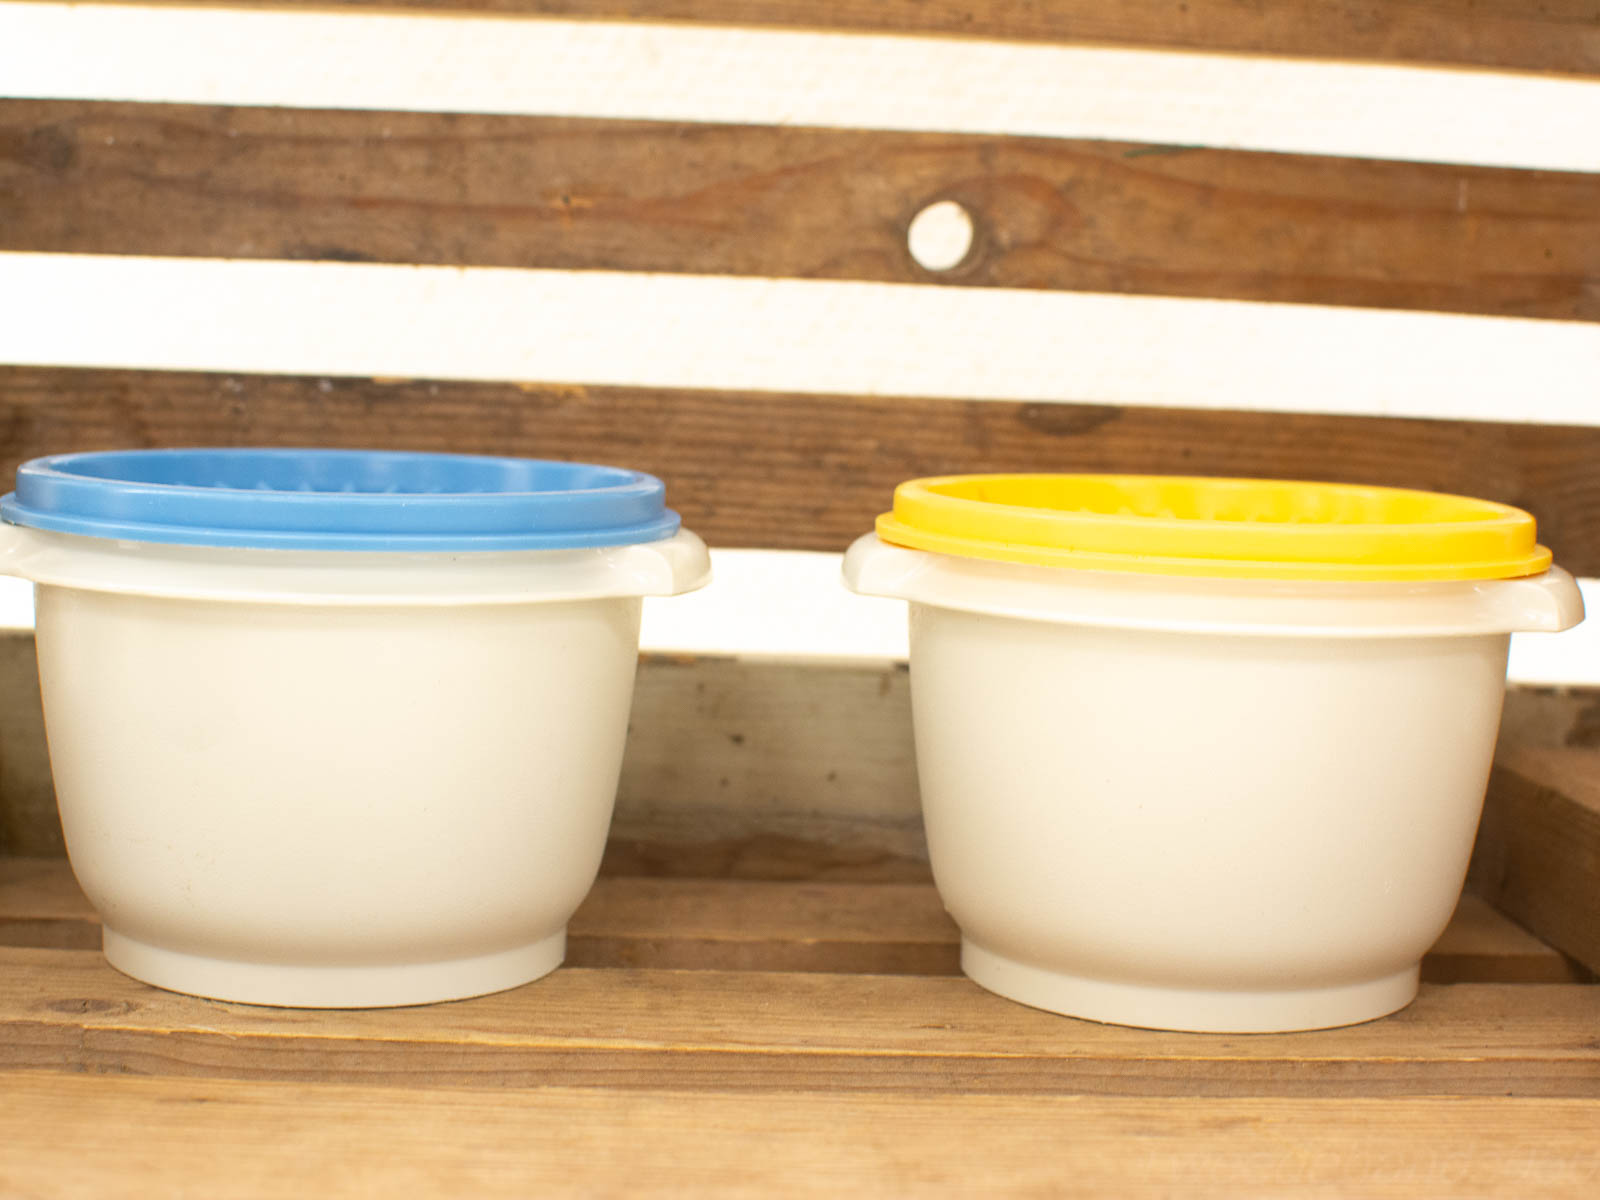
(1230, 528)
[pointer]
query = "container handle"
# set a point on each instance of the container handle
(14, 545)
(874, 567)
(668, 567)
(1546, 603)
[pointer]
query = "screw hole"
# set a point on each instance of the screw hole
(940, 236)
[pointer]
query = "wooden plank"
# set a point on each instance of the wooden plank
(1551, 717)
(702, 924)
(769, 770)
(1556, 35)
(42, 905)
(798, 471)
(1538, 850)
(1481, 945)
(902, 929)
(695, 1030)
(29, 823)
(705, 199)
(114, 1137)
(727, 925)
(747, 925)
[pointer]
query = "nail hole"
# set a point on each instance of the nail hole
(940, 236)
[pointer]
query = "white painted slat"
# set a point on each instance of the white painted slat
(766, 603)
(792, 604)
(666, 72)
(598, 327)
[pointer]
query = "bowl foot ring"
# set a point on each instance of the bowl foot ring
(1200, 1010)
(319, 986)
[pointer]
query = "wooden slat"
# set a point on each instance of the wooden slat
(1482, 945)
(769, 770)
(731, 925)
(1552, 717)
(42, 906)
(742, 925)
(115, 1137)
(67, 1010)
(805, 472)
(654, 196)
(841, 928)
(1538, 851)
(1555, 35)
(29, 823)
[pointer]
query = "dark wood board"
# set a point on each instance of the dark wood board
(804, 471)
(506, 191)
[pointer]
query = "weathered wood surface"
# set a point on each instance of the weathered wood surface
(1551, 717)
(803, 471)
(1538, 851)
(1554, 35)
(507, 191)
(129, 1137)
(698, 1030)
(29, 823)
(41, 905)
(769, 770)
(769, 925)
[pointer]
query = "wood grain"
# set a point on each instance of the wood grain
(67, 1010)
(1538, 850)
(1552, 717)
(1555, 35)
(82, 177)
(29, 823)
(769, 770)
(127, 1137)
(768, 925)
(798, 471)
(41, 905)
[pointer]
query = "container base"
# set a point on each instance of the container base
(290, 986)
(1195, 1010)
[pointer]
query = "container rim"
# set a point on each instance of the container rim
(1215, 527)
(321, 499)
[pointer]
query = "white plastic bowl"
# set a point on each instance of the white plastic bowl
(337, 778)
(1201, 803)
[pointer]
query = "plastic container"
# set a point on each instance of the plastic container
(337, 729)
(1204, 754)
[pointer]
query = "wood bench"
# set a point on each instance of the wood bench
(762, 991)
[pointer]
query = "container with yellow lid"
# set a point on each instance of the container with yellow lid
(1204, 753)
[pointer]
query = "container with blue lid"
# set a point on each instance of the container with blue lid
(344, 526)
(337, 728)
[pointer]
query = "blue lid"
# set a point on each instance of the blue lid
(339, 500)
